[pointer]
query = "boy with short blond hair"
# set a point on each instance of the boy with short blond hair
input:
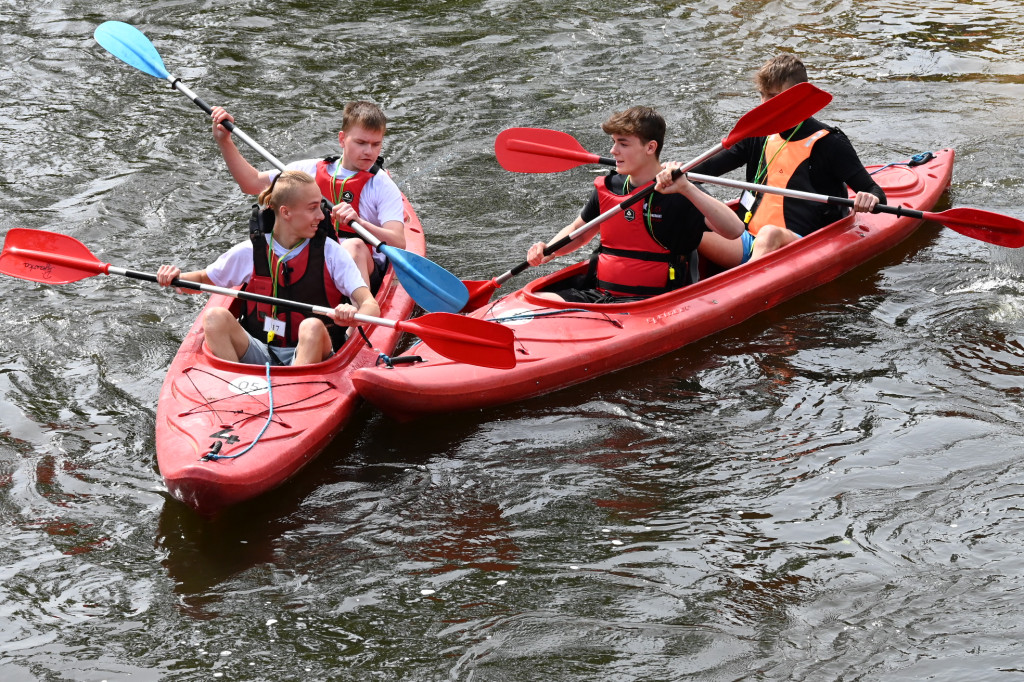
(352, 182)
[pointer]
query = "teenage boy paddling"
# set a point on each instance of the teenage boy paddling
(646, 249)
(352, 182)
(811, 157)
(295, 261)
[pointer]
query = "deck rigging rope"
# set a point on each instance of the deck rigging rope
(213, 455)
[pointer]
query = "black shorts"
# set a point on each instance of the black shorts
(377, 276)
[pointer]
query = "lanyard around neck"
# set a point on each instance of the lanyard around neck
(762, 167)
(275, 271)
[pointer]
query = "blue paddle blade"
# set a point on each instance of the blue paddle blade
(432, 287)
(128, 44)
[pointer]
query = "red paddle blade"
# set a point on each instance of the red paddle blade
(480, 291)
(48, 257)
(465, 339)
(986, 226)
(539, 150)
(787, 109)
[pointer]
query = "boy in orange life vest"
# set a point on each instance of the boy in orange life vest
(645, 250)
(812, 157)
(352, 183)
(295, 261)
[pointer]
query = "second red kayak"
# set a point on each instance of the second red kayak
(562, 344)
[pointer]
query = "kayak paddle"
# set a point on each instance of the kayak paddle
(785, 110)
(541, 150)
(552, 151)
(431, 286)
(986, 226)
(52, 258)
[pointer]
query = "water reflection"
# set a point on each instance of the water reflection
(827, 487)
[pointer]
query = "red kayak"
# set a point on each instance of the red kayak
(211, 411)
(562, 344)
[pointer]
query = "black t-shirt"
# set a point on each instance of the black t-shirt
(834, 166)
(675, 222)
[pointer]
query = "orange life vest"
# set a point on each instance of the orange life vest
(787, 168)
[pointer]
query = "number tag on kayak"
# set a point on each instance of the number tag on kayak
(271, 324)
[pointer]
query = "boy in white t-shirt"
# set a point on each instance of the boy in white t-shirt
(352, 183)
(287, 263)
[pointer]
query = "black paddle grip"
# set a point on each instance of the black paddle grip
(208, 109)
(525, 264)
(898, 211)
(203, 105)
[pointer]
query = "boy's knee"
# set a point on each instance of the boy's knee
(771, 236)
(357, 248)
(311, 329)
(217, 318)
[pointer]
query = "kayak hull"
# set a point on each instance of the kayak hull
(562, 344)
(217, 443)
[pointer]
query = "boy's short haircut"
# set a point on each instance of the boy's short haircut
(644, 122)
(780, 72)
(365, 115)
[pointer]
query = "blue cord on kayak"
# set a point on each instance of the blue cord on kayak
(915, 160)
(212, 454)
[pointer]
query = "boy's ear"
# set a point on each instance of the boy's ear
(652, 146)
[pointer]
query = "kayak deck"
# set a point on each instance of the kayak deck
(560, 344)
(217, 442)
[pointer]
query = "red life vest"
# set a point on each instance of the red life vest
(788, 168)
(343, 189)
(304, 277)
(630, 261)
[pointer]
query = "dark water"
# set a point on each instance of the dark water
(829, 491)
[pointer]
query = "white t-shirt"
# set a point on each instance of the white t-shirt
(380, 200)
(234, 267)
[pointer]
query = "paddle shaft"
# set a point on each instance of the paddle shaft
(725, 182)
(258, 148)
(248, 296)
(108, 269)
(797, 194)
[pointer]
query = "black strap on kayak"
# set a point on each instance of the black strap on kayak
(566, 312)
(385, 359)
(390, 362)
